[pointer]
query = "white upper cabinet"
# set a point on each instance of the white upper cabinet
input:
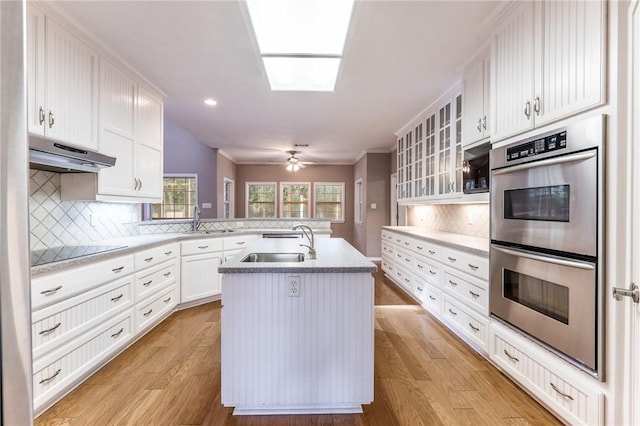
(475, 105)
(547, 63)
(430, 153)
(62, 83)
(149, 158)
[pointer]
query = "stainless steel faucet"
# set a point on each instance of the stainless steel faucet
(196, 218)
(312, 247)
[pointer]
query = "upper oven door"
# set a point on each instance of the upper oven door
(550, 203)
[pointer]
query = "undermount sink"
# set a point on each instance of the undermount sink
(216, 231)
(273, 257)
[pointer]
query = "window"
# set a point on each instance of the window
(227, 198)
(294, 200)
(178, 199)
(358, 201)
(329, 201)
(261, 199)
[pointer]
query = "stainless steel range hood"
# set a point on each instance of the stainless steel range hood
(56, 157)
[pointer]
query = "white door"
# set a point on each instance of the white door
(394, 200)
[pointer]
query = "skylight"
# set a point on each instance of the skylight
(301, 41)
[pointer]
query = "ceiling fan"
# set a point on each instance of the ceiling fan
(293, 163)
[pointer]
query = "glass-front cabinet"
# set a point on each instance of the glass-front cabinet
(430, 153)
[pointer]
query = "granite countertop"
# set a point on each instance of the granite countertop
(474, 245)
(333, 255)
(145, 241)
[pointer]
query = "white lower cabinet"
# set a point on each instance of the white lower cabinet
(200, 278)
(576, 399)
(58, 371)
(155, 308)
(453, 285)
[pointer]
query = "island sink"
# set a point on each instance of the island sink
(273, 257)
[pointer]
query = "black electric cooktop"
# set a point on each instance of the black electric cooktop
(57, 254)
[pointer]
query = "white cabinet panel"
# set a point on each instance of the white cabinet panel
(119, 179)
(35, 40)
(149, 172)
(200, 277)
(155, 308)
(570, 74)
(512, 64)
(475, 101)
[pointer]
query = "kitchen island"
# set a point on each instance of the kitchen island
(297, 336)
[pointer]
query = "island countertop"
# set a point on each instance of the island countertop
(333, 255)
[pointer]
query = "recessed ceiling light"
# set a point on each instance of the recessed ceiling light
(210, 102)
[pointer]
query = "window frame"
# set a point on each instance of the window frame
(231, 200)
(342, 200)
(147, 209)
(282, 185)
(358, 215)
(275, 200)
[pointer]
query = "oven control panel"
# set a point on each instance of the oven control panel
(538, 146)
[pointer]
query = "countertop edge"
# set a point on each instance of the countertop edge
(437, 239)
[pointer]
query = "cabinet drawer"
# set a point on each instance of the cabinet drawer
(577, 402)
(404, 258)
(152, 279)
(55, 372)
(474, 294)
(432, 299)
(388, 249)
(150, 312)
(430, 271)
(387, 236)
(402, 241)
(471, 264)
(156, 255)
(388, 266)
(201, 246)
(239, 241)
(469, 324)
(405, 280)
(52, 288)
(64, 321)
(428, 250)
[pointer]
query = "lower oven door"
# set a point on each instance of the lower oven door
(550, 298)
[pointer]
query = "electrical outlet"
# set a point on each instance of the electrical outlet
(293, 286)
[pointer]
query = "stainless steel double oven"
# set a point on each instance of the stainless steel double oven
(546, 239)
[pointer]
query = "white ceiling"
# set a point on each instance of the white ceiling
(400, 56)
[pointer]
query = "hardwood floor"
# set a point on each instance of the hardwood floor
(424, 375)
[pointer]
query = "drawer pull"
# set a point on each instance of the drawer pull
(167, 253)
(149, 259)
(51, 290)
(116, 270)
(453, 283)
(564, 395)
(203, 247)
(432, 272)
(118, 333)
(432, 298)
(452, 312)
(476, 295)
(473, 267)
(167, 300)
(397, 240)
(406, 259)
(476, 329)
(240, 243)
(432, 252)
(399, 274)
(407, 280)
(419, 248)
(406, 243)
(146, 314)
(420, 288)
(511, 357)
(420, 266)
(452, 259)
(51, 329)
(167, 274)
(115, 299)
(48, 379)
(147, 283)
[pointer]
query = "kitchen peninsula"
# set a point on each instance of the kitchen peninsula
(297, 336)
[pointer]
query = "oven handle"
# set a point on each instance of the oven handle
(561, 262)
(549, 162)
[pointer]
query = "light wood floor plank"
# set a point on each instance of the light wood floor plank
(424, 375)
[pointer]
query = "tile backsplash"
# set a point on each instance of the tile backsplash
(54, 222)
(467, 219)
